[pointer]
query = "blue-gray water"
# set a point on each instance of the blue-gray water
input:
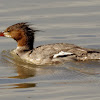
(70, 21)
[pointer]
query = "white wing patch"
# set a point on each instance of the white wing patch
(62, 53)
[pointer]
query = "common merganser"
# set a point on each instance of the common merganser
(45, 54)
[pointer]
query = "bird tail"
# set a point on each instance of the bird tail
(93, 55)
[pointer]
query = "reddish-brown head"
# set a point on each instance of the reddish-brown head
(21, 32)
(18, 30)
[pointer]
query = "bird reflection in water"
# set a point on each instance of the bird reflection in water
(22, 85)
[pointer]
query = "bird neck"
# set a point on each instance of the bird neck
(25, 43)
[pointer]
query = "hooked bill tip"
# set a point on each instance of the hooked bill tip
(1, 33)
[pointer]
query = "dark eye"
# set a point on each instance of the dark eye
(8, 30)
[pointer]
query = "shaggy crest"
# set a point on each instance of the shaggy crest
(24, 26)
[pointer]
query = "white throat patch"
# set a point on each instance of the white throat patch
(6, 34)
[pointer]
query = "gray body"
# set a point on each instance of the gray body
(45, 54)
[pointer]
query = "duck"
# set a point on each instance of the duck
(55, 53)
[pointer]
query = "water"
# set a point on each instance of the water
(68, 21)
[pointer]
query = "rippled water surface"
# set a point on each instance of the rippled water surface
(71, 21)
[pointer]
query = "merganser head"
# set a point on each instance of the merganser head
(22, 33)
